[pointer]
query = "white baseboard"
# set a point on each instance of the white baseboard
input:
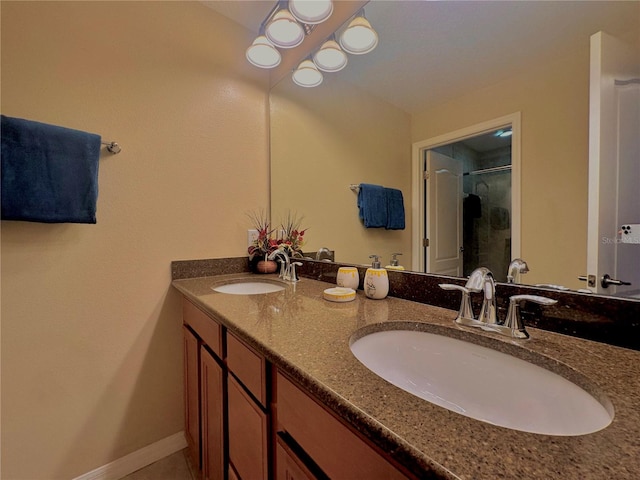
(138, 459)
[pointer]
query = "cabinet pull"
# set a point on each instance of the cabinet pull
(301, 458)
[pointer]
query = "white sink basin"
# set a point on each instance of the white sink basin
(482, 383)
(248, 288)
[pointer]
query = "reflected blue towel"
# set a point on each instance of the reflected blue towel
(395, 209)
(372, 205)
(49, 173)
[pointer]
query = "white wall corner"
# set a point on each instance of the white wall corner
(138, 459)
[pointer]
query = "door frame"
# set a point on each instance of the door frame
(610, 59)
(512, 120)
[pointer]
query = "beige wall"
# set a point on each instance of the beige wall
(91, 334)
(318, 153)
(554, 101)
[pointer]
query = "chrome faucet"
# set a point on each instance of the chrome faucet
(326, 251)
(516, 268)
(287, 267)
(481, 280)
(284, 264)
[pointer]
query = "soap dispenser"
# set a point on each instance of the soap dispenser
(394, 263)
(376, 281)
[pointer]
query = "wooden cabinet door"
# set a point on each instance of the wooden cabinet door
(212, 416)
(191, 394)
(248, 434)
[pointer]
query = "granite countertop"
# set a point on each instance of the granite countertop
(308, 337)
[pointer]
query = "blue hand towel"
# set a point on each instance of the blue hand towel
(49, 173)
(395, 209)
(372, 205)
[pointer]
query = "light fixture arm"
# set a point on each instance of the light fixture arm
(276, 8)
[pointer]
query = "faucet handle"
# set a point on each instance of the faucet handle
(293, 276)
(514, 320)
(465, 313)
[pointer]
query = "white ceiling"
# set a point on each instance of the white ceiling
(430, 51)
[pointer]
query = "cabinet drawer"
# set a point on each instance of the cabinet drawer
(338, 451)
(248, 366)
(207, 329)
(248, 434)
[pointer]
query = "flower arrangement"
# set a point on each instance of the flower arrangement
(264, 244)
(292, 235)
(289, 237)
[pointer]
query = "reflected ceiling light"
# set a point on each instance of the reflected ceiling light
(283, 30)
(503, 133)
(307, 75)
(330, 58)
(359, 37)
(311, 12)
(263, 54)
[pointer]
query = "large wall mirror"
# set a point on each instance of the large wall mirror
(443, 67)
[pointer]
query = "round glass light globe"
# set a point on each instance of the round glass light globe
(311, 12)
(307, 75)
(330, 58)
(283, 31)
(359, 38)
(263, 54)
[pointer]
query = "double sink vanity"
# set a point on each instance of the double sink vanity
(277, 387)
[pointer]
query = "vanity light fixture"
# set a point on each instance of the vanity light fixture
(262, 53)
(290, 21)
(311, 12)
(359, 37)
(307, 74)
(330, 57)
(284, 31)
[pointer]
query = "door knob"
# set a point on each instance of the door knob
(607, 280)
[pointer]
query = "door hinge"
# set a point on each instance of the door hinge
(425, 175)
(425, 242)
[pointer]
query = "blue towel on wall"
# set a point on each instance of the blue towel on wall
(49, 173)
(372, 205)
(395, 209)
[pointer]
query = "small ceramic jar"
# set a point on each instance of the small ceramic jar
(348, 277)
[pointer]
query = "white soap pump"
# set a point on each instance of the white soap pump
(376, 280)
(394, 265)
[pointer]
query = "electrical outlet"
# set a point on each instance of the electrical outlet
(252, 236)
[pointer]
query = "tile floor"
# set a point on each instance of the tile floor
(173, 467)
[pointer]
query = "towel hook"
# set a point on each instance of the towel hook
(113, 147)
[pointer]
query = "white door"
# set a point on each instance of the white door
(444, 215)
(614, 165)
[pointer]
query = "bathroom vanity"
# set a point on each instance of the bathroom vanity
(274, 391)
